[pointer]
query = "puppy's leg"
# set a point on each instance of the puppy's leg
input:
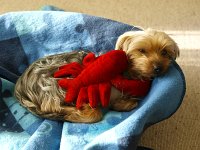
(85, 115)
(124, 104)
(120, 102)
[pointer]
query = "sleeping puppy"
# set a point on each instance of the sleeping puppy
(149, 55)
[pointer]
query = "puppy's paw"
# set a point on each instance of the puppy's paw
(124, 104)
(84, 115)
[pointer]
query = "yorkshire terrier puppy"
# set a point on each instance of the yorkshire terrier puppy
(149, 54)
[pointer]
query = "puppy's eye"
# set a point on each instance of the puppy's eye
(164, 52)
(142, 51)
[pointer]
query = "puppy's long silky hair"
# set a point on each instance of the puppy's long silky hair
(38, 90)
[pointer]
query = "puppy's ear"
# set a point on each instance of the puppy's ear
(176, 51)
(123, 41)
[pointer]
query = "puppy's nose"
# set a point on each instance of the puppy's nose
(157, 70)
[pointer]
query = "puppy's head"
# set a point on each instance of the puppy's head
(149, 52)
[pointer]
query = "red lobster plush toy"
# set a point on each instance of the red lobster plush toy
(93, 79)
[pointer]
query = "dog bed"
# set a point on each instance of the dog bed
(27, 36)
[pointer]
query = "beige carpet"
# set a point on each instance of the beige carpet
(180, 18)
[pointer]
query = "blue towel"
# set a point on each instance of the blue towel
(27, 36)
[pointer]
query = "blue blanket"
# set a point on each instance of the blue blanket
(27, 36)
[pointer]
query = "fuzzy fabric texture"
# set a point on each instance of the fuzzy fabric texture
(96, 71)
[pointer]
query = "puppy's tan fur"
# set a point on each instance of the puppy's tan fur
(149, 53)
